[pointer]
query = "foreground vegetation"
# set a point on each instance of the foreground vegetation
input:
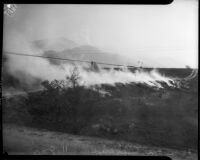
(30, 141)
(131, 112)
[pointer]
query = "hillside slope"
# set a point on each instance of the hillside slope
(134, 113)
(25, 140)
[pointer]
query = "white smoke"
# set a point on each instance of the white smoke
(125, 76)
(42, 69)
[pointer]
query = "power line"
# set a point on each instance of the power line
(66, 59)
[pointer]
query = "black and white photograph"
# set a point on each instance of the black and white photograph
(100, 79)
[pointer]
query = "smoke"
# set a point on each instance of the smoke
(31, 70)
(39, 68)
(124, 76)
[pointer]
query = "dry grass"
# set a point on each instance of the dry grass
(24, 140)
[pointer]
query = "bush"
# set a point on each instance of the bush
(62, 105)
(69, 107)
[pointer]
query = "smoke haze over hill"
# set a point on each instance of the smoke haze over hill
(109, 34)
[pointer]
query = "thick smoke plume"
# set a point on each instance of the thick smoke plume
(31, 70)
(42, 69)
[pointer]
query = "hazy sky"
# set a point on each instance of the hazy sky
(160, 36)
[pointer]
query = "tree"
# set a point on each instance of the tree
(74, 78)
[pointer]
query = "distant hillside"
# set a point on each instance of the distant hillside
(58, 44)
(87, 53)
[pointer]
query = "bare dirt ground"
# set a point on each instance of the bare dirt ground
(19, 140)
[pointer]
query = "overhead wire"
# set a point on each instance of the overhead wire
(67, 59)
